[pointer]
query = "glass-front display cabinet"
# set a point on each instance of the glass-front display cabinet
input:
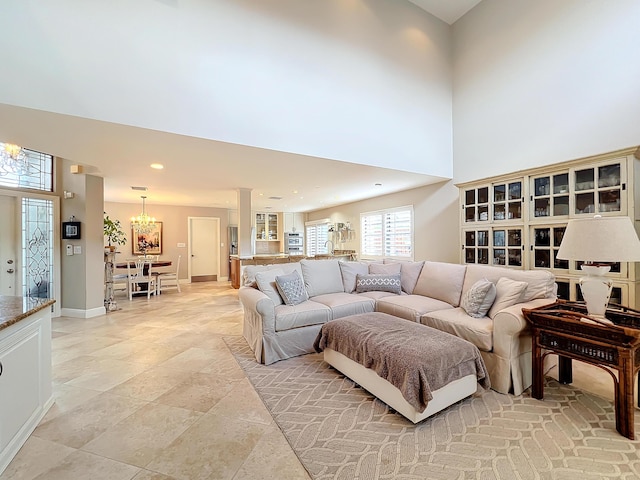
(494, 246)
(266, 226)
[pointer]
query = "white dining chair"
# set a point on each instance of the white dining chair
(141, 278)
(169, 280)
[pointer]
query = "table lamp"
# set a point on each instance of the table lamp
(596, 241)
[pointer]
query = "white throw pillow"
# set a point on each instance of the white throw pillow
(321, 277)
(384, 268)
(508, 292)
(266, 282)
(349, 271)
(478, 299)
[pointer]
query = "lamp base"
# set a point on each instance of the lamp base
(596, 289)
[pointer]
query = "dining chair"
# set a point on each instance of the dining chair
(169, 280)
(141, 278)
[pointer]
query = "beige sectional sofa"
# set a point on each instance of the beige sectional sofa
(431, 295)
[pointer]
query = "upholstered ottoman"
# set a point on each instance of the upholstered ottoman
(415, 369)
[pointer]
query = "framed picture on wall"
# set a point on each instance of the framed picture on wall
(71, 230)
(147, 243)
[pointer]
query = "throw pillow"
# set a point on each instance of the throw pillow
(321, 277)
(508, 292)
(378, 283)
(266, 282)
(384, 268)
(478, 300)
(349, 271)
(291, 288)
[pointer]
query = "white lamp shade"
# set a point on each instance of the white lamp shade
(600, 239)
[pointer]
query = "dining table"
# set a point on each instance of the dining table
(155, 263)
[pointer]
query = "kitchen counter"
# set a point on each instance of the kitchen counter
(238, 261)
(25, 370)
(14, 309)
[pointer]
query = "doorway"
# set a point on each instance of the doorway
(204, 249)
(8, 247)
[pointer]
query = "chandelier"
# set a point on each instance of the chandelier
(143, 223)
(13, 160)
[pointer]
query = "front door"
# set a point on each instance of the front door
(8, 246)
(204, 249)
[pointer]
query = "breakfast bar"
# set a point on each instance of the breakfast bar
(25, 370)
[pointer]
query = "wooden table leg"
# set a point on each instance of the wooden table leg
(537, 389)
(624, 399)
(565, 371)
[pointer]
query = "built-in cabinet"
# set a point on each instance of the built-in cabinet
(293, 222)
(267, 226)
(25, 379)
(519, 220)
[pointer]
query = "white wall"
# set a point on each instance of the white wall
(538, 82)
(364, 81)
(436, 220)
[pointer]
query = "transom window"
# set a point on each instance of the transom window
(387, 233)
(23, 168)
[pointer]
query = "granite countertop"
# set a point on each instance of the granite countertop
(14, 309)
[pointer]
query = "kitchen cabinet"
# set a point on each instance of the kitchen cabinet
(266, 226)
(518, 220)
(293, 222)
(25, 375)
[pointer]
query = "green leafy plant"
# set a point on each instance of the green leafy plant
(113, 231)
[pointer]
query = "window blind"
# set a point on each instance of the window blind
(387, 233)
(316, 235)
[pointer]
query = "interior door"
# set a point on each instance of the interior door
(8, 246)
(204, 249)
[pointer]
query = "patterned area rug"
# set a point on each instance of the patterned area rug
(340, 431)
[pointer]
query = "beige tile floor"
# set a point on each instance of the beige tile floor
(151, 392)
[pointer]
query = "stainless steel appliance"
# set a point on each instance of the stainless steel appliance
(233, 240)
(294, 243)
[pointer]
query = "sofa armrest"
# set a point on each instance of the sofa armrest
(510, 321)
(256, 301)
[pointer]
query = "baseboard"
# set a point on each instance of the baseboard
(78, 313)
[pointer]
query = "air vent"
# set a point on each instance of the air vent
(275, 198)
(141, 189)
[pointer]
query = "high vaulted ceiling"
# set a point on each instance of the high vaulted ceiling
(202, 172)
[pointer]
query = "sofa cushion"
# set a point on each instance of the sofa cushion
(349, 270)
(508, 292)
(380, 283)
(291, 288)
(478, 299)
(249, 271)
(478, 331)
(266, 282)
(343, 304)
(302, 315)
(384, 268)
(541, 283)
(321, 276)
(411, 307)
(442, 281)
(409, 273)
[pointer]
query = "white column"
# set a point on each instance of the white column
(245, 223)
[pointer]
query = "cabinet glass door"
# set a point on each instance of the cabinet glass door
(476, 246)
(546, 243)
(261, 226)
(551, 195)
(599, 189)
(507, 247)
(476, 208)
(272, 232)
(507, 201)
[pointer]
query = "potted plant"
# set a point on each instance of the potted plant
(114, 233)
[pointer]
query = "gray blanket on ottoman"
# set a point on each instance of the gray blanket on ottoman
(412, 357)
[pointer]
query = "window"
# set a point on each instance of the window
(387, 233)
(37, 175)
(317, 234)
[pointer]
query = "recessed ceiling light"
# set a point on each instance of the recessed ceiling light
(157, 166)
(261, 194)
(295, 191)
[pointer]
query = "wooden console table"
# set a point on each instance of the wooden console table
(558, 328)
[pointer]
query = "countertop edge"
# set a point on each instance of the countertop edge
(21, 316)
